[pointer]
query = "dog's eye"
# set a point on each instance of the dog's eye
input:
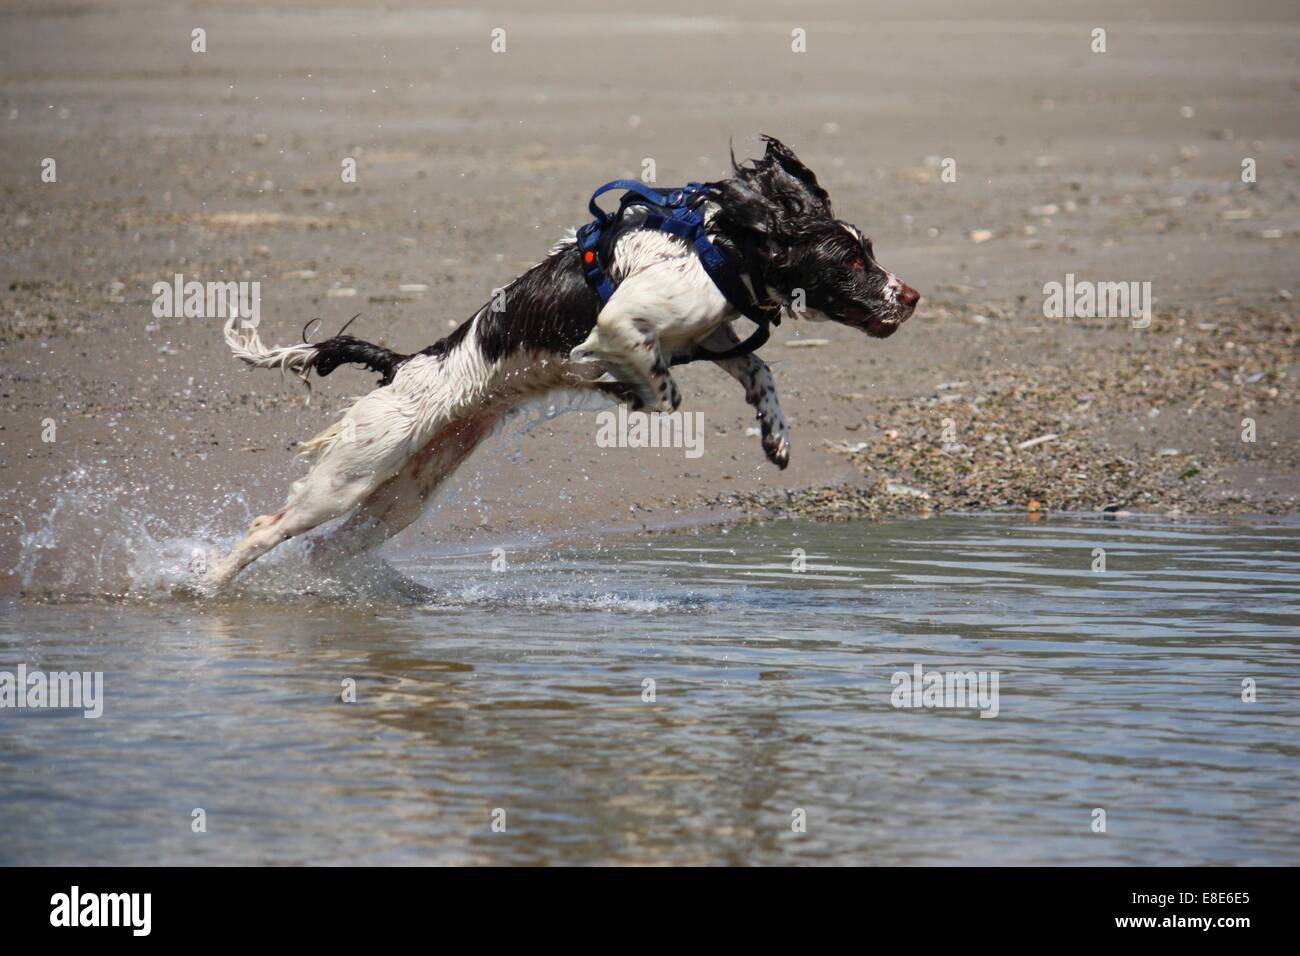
(856, 265)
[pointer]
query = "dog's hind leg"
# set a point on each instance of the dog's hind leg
(398, 502)
(297, 517)
(352, 458)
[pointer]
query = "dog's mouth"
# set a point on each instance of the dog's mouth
(876, 324)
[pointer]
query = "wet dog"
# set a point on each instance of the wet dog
(393, 447)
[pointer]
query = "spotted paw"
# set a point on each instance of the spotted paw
(776, 446)
(670, 397)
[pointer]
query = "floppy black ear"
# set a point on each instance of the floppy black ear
(744, 205)
(784, 157)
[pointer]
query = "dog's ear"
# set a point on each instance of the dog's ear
(744, 205)
(776, 197)
(781, 154)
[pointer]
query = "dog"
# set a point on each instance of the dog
(393, 447)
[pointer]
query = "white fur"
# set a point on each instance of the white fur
(249, 348)
(893, 291)
(664, 302)
(398, 442)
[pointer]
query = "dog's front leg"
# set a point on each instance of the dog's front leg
(760, 391)
(627, 346)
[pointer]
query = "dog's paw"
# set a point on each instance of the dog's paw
(669, 397)
(776, 440)
(776, 446)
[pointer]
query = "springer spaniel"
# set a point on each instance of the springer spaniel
(393, 447)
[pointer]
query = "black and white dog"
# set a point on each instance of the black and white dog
(394, 446)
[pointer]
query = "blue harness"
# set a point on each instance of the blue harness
(674, 214)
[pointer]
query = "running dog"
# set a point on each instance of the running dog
(773, 230)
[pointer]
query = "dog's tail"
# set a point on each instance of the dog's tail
(322, 357)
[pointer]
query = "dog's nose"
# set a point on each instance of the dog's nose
(909, 296)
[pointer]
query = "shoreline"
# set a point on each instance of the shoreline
(600, 536)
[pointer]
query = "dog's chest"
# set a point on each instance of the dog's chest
(665, 286)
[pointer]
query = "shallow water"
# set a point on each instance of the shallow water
(522, 689)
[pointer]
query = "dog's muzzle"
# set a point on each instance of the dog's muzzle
(884, 322)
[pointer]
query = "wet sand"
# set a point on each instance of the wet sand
(1121, 166)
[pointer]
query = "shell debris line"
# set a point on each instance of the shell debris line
(1047, 439)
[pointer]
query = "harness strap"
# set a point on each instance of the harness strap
(673, 214)
(752, 344)
(631, 186)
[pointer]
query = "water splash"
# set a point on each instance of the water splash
(106, 539)
(103, 539)
(523, 418)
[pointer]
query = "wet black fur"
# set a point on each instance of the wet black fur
(776, 205)
(349, 350)
(548, 309)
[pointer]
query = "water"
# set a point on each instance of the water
(523, 690)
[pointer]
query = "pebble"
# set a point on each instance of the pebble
(894, 488)
(1041, 439)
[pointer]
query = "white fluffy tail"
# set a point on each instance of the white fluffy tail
(248, 348)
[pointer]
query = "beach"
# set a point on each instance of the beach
(988, 155)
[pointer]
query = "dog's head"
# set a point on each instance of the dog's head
(820, 266)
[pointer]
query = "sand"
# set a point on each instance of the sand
(225, 165)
